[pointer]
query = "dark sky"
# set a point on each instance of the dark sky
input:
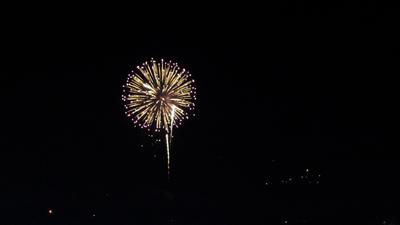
(283, 92)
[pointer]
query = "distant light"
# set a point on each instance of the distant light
(307, 170)
(50, 212)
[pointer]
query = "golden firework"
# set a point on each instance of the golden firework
(159, 95)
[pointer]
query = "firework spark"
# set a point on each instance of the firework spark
(159, 96)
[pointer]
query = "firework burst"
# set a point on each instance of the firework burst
(158, 96)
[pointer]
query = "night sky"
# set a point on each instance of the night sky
(294, 105)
